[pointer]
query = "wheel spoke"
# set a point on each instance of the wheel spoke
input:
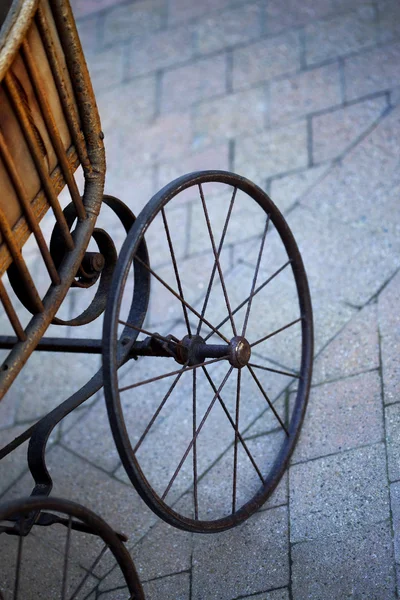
(253, 285)
(200, 427)
(159, 409)
(221, 243)
(88, 573)
(145, 381)
(19, 558)
(235, 447)
(249, 297)
(174, 293)
(195, 497)
(216, 257)
(276, 332)
(275, 371)
(260, 387)
(177, 277)
(236, 430)
(66, 557)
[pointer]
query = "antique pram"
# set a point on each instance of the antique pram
(49, 131)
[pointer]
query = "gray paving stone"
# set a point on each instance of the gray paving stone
(355, 349)
(285, 190)
(126, 106)
(371, 71)
(163, 49)
(106, 68)
(353, 564)
(196, 82)
(76, 480)
(281, 594)
(228, 117)
(181, 10)
(341, 416)
(393, 440)
(174, 587)
(91, 438)
(164, 551)
(297, 95)
(395, 505)
(266, 59)
(230, 564)
(341, 34)
(281, 15)
(47, 381)
(272, 152)
(389, 21)
(137, 19)
(228, 28)
(389, 324)
(13, 465)
(344, 490)
(345, 126)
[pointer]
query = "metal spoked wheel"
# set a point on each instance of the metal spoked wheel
(206, 419)
(52, 548)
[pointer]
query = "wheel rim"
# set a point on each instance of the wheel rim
(128, 445)
(45, 560)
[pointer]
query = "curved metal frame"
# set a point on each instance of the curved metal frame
(92, 523)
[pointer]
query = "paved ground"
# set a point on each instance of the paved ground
(303, 99)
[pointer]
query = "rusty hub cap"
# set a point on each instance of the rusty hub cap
(239, 352)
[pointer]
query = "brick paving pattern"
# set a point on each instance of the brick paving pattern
(302, 98)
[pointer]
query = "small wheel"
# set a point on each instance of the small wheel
(45, 544)
(206, 420)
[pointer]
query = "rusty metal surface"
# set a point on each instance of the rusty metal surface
(81, 116)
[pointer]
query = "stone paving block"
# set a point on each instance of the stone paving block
(305, 93)
(355, 349)
(182, 10)
(272, 152)
(118, 504)
(395, 505)
(236, 563)
(106, 68)
(84, 8)
(226, 118)
(133, 19)
(340, 35)
(389, 324)
(285, 190)
(91, 438)
(174, 587)
(193, 83)
(266, 59)
(13, 465)
(213, 158)
(353, 564)
(167, 138)
(393, 440)
(164, 551)
(159, 51)
(46, 381)
(88, 30)
(340, 416)
(371, 71)
(388, 20)
(345, 490)
(228, 28)
(344, 126)
(127, 106)
(281, 594)
(282, 15)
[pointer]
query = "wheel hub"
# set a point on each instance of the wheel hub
(239, 352)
